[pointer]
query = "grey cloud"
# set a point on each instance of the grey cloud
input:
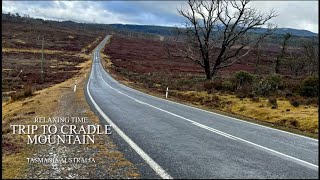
(292, 14)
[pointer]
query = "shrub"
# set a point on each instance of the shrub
(217, 85)
(243, 77)
(292, 86)
(243, 84)
(243, 91)
(212, 85)
(268, 85)
(228, 86)
(208, 85)
(275, 81)
(310, 87)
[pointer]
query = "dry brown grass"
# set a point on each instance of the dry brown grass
(106, 62)
(42, 104)
(46, 51)
(303, 118)
(89, 46)
(19, 41)
(14, 166)
(22, 112)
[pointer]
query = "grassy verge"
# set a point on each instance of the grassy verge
(15, 148)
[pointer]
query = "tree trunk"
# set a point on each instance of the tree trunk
(206, 63)
(214, 72)
(277, 65)
(207, 70)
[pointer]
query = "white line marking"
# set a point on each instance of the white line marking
(155, 166)
(213, 130)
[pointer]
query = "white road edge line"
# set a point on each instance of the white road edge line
(155, 166)
(214, 130)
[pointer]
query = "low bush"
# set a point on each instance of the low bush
(228, 86)
(291, 86)
(208, 85)
(268, 85)
(243, 77)
(275, 82)
(243, 84)
(217, 85)
(212, 85)
(182, 83)
(243, 91)
(310, 87)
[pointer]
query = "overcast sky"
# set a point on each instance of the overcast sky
(292, 14)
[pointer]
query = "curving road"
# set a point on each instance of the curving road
(180, 141)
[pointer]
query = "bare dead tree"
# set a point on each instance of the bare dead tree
(258, 53)
(282, 54)
(305, 62)
(296, 63)
(216, 33)
(311, 54)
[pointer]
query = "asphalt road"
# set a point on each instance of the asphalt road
(180, 141)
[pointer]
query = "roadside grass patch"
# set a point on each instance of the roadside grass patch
(258, 109)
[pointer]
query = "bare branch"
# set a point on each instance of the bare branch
(212, 24)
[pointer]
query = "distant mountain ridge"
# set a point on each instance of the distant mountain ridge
(153, 29)
(295, 32)
(165, 30)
